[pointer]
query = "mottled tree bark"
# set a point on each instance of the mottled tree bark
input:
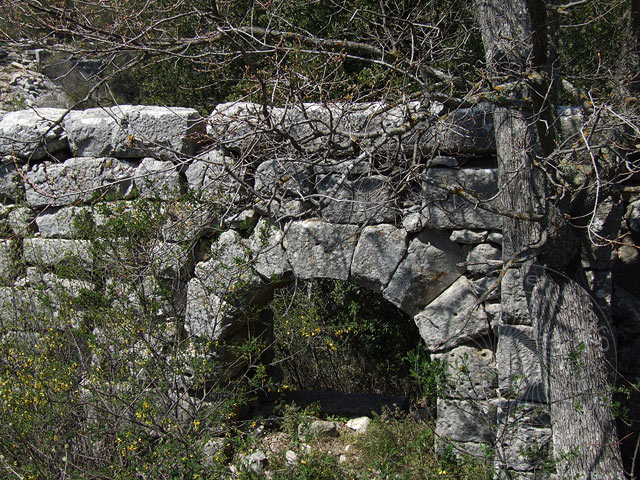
(562, 314)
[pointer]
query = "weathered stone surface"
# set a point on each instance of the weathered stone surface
(266, 246)
(256, 462)
(465, 130)
(440, 161)
(453, 318)
(465, 421)
(377, 255)
(470, 372)
(134, 131)
(284, 176)
(468, 237)
(428, 268)
(78, 180)
(210, 176)
(445, 210)
(495, 237)
(320, 428)
(603, 224)
(317, 249)
(207, 315)
(484, 258)
(31, 134)
(229, 274)
(519, 365)
(359, 425)
(158, 179)
(355, 200)
(20, 220)
(359, 126)
(10, 183)
(148, 296)
(28, 309)
(62, 222)
(47, 252)
(234, 124)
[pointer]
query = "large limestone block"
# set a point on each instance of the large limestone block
(49, 303)
(465, 130)
(455, 317)
(229, 272)
(31, 134)
(429, 267)
(357, 199)
(269, 255)
(48, 252)
(284, 177)
(158, 179)
(469, 372)
(238, 124)
(317, 249)
(519, 365)
(377, 255)
(134, 131)
(78, 180)
(63, 222)
(465, 421)
(207, 315)
(214, 176)
(446, 210)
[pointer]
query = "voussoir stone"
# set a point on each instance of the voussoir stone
(79, 179)
(377, 255)
(31, 134)
(266, 245)
(134, 131)
(317, 249)
(229, 272)
(429, 267)
(455, 317)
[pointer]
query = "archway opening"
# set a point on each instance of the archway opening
(349, 349)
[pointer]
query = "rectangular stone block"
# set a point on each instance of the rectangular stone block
(317, 249)
(78, 180)
(134, 131)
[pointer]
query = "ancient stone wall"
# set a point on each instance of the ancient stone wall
(251, 201)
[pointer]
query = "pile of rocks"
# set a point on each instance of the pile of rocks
(22, 85)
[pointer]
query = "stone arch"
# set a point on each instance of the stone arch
(419, 273)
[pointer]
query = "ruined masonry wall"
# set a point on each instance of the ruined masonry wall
(281, 215)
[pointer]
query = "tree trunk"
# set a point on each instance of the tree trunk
(563, 317)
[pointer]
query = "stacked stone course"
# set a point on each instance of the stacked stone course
(291, 215)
